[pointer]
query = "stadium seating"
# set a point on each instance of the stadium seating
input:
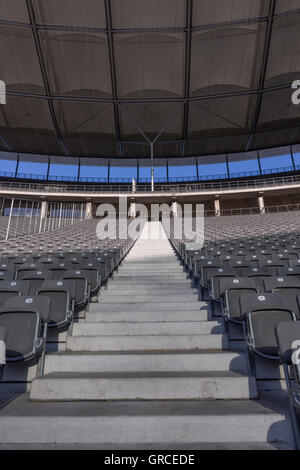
(46, 279)
(69, 269)
(248, 269)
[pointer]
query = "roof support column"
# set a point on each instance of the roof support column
(261, 203)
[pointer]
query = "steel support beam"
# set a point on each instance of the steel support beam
(266, 51)
(113, 73)
(44, 75)
(188, 48)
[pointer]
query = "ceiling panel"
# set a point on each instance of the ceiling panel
(220, 11)
(77, 63)
(148, 13)
(14, 10)
(79, 13)
(284, 57)
(19, 65)
(150, 65)
(226, 59)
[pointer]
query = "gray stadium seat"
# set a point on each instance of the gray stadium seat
(62, 296)
(231, 291)
(288, 287)
(82, 286)
(25, 319)
(263, 312)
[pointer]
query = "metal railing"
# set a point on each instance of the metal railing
(254, 210)
(19, 217)
(159, 188)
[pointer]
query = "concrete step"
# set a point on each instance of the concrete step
(70, 386)
(116, 285)
(151, 272)
(123, 423)
(143, 316)
(152, 298)
(162, 264)
(147, 328)
(151, 362)
(148, 277)
(147, 291)
(147, 343)
(152, 446)
(148, 307)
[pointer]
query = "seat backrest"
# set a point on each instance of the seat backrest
(289, 271)
(23, 329)
(220, 273)
(288, 340)
(238, 283)
(25, 303)
(7, 275)
(66, 285)
(263, 312)
(280, 282)
(81, 284)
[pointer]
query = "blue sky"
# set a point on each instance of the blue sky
(57, 171)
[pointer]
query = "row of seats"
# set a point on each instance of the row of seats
(41, 288)
(254, 282)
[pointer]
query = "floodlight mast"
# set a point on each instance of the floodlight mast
(152, 166)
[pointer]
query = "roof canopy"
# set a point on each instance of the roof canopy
(97, 78)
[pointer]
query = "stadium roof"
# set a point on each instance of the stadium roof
(97, 78)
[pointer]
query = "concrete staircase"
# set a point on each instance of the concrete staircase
(146, 366)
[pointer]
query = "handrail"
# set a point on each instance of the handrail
(260, 184)
(254, 210)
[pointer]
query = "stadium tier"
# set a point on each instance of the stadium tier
(147, 343)
(149, 227)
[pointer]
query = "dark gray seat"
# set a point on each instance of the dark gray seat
(217, 275)
(58, 269)
(10, 289)
(93, 275)
(287, 336)
(288, 287)
(290, 271)
(7, 275)
(26, 268)
(231, 290)
(25, 319)
(263, 312)
(36, 279)
(259, 274)
(288, 341)
(82, 286)
(62, 295)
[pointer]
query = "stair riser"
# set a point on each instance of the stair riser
(171, 328)
(187, 388)
(153, 298)
(110, 317)
(146, 363)
(145, 429)
(133, 291)
(147, 343)
(142, 307)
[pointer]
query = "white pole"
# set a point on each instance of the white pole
(9, 219)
